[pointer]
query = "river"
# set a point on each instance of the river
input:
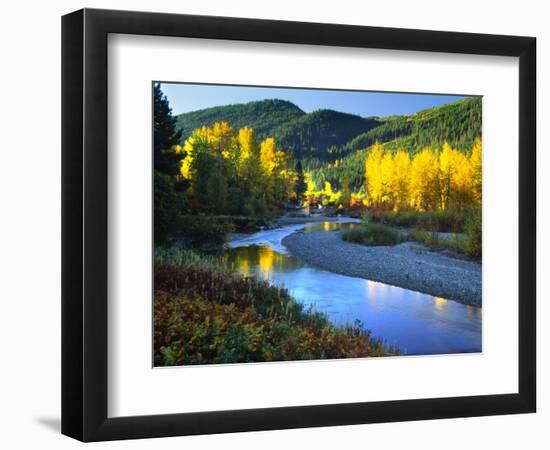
(417, 323)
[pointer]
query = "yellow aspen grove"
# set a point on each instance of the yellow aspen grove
(268, 163)
(198, 137)
(400, 178)
(311, 189)
(447, 171)
(475, 165)
(455, 178)
(218, 139)
(284, 177)
(246, 142)
(373, 179)
(327, 192)
(268, 156)
(357, 200)
(461, 196)
(286, 181)
(386, 176)
(219, 160)
(424, 189)
(429, 181)
(248, 159)
(221, 135)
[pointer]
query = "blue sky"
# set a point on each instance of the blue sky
(191, 97)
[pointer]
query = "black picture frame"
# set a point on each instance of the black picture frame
(84, 224)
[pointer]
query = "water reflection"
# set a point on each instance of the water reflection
(440, 303)
(330, 226)
(416, 322)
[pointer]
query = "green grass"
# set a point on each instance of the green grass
(447, 221)
(462, 244)
(429, 238)
(372, 234)
(465, 228)
(474, 230)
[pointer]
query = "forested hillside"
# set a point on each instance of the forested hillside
(457, 123)
(263, 116)
(318, 134)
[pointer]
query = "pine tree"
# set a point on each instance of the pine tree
(168, 202)
(301, 185)
(345, 197)
(166, 159)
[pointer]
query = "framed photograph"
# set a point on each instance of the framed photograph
(273, 224)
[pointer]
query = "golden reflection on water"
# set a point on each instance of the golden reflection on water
(244, 265)
(267, 257)
(259, 260)
(440, 303)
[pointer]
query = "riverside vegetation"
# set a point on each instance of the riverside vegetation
(237, 167)
(206, 313)
(463, 230)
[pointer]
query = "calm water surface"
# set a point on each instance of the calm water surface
(417, 323)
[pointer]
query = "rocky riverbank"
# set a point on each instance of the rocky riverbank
(409, 265)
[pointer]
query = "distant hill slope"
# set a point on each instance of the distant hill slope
(315, 135)
(264, 116)
(458, 123)
(306, 135)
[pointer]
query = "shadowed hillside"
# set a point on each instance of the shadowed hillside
(263, 116)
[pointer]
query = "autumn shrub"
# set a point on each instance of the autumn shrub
(205, 332)
(473, 229)
(372, 234)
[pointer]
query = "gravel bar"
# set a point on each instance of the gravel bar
(408, 265)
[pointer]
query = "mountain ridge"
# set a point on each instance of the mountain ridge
(262, 115)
